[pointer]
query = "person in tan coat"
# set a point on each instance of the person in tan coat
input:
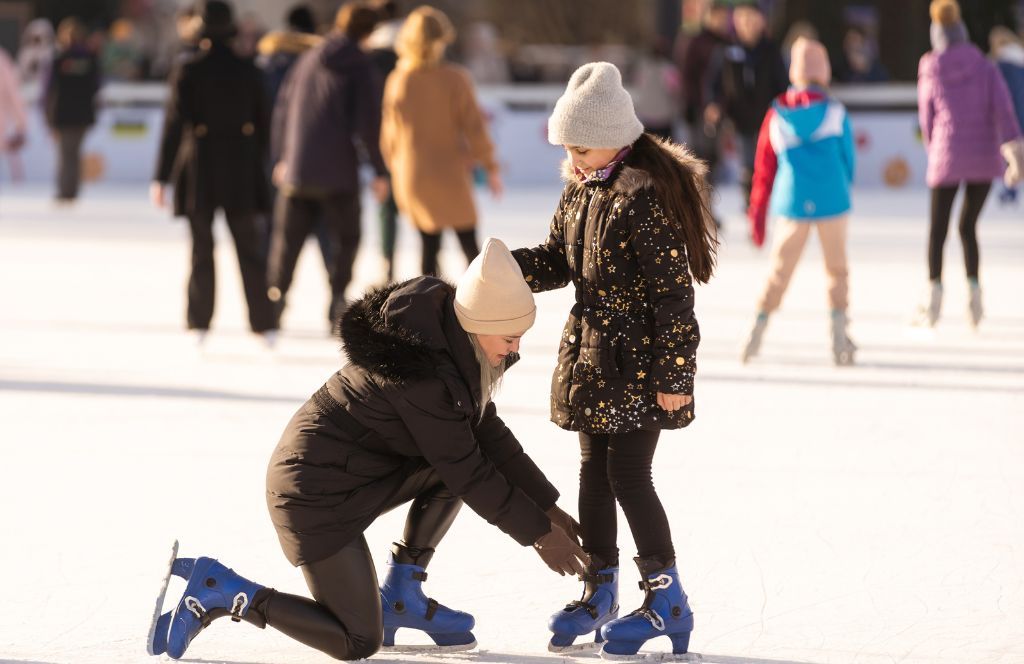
(432, 135)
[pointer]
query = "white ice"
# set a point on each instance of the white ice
(821, 514)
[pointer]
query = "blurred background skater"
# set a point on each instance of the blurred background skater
(70, 103)
(217, 106)
(432, 135)
(702, 64)
(657, 89)
(35, 53)
(967, 119)
(1008, 52)
(279, 50)
(805, 165)
(328, 104)
(12, 115)
(380, 46)
(751, 76)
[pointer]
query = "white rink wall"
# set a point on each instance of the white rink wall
(870, 514)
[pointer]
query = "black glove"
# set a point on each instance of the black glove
(564, 520)
(560, 553)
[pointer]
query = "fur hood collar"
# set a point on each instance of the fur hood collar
(631, 179)
(403, 332)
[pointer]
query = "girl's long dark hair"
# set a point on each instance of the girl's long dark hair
(682, 188)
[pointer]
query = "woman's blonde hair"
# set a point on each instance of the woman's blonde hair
(424, 36)
(490, 376)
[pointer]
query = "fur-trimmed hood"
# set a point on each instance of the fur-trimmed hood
(393, 334)
(630, 179)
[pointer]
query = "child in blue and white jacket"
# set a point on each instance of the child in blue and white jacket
(804, 165)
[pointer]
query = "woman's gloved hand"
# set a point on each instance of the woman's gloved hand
(564, 520)
(561, 553)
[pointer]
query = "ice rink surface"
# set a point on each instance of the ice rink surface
(821, 514)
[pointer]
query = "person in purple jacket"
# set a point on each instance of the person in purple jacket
(967, 119)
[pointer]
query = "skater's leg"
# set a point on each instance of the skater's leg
(467, 240)
(344, 621)
(388, 217)
(596, 500)
(941, 207)
(790, 238)
(431, 248)
(293, 220)
(248, 238)
(201, 280)
(832, 234)
(342, 214)
(630, 456)
(974, 201)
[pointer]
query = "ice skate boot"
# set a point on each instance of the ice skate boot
(753, 345)
(665, 612)
(928, 312)
(843, 347)
(405, 605)
(598, 605)
(213, 591)
(974, 307)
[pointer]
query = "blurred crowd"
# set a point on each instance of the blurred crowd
(274, 127)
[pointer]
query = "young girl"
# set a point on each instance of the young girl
(805, 164)
(631, 231)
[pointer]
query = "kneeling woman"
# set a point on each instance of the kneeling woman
(409, 418)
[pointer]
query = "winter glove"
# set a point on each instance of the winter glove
(1013, 153)
(563, 520)
(560, 553)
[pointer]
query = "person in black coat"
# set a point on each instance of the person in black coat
(409, 418)
(70, 103)
(217, 108)
(752, 75)
(327, 110)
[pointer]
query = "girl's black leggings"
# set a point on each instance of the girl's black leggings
(975, 194)
(617, 467)
(432, 246)
(343, 620)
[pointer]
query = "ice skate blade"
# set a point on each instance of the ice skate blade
(654, 657)
(575, 648)
(428, 648)
(157, 611)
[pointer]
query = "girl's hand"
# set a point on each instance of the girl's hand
(673, 402)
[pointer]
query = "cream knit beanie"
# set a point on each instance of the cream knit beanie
(595, 111)
(492, 297)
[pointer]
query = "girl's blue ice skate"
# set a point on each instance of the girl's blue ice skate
(665, 612)
(212, 591)
(598, 605)
(405, 605)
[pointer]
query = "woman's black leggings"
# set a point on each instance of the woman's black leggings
(432, 246)
(617, 467)
(975, 194)
(343, 620)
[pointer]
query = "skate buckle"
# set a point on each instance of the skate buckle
(238, 605)
(580, 604)
(660, 581)
(196, 607)
(656, 620)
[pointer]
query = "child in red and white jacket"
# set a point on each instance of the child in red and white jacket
(803, 171)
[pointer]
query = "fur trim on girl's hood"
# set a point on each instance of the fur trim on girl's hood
(632, 180)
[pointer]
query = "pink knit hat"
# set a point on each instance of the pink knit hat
(809, 63)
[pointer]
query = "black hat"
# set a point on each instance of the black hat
(218, 20)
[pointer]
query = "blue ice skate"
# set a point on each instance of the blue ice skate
(405, 605)
(212, 591)
(156, 642)
(598, 605)
(665, 612)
